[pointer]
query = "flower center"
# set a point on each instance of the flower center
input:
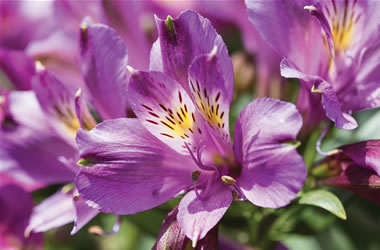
(342, 19)
(223, 168)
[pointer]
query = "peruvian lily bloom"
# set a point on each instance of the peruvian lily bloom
(67, 205)
(36, 151)
(355, 167)
(38, 127)
(332, 47)
(180, 140)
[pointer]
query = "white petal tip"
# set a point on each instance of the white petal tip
(74, 231)
(194, 244)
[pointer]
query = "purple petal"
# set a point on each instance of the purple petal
(24, 21)
(11, 173)
(316, 10)
(172, 236)
(15, 208)
(367, 81)
(129, 170)
(343, 23)
(59, 54)
(35, 145)
(135, 24)
(329, 101)
(165, 109)
(58, 101)
(104, 68)
(272, 170)
(55, 211)
(71, 13)
(365, 154)
(83, 212)
(212, 94)
(17, 67)
(155, 59)
(197, 217)
(290, 30)
(59, 46)
(184, 38)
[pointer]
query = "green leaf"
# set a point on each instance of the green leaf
(326, 200)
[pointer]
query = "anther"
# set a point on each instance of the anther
(195, 176)
(228, 180)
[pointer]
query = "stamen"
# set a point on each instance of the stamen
(235, 196)
(199, 153)
(318, 144)
(239, 194)
(197, 192)
(199, 164)
(204, 193)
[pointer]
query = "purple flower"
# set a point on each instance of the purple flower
(38, 127)
(37, 150)
(325, 46)
(180, 140)
(355, 167)
(67, 111)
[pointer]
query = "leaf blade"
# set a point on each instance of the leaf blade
(325, 200)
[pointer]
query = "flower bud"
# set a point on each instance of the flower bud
(354, 167)
(171, 236)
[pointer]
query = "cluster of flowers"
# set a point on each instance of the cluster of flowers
(86, 101)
